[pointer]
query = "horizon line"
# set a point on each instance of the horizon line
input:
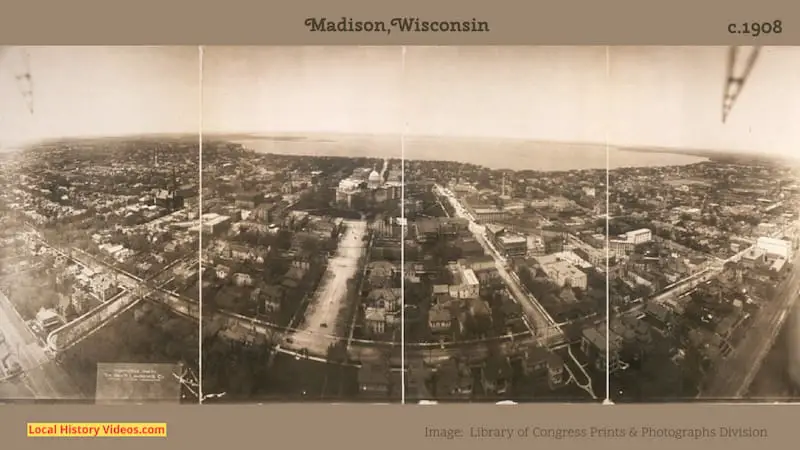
(24, 144)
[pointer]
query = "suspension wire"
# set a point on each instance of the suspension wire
(734, 84)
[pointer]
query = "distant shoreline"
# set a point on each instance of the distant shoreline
(494, 154)
(716, 156)
(435, 148)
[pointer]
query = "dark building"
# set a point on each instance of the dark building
(249, 199)
(169, 198)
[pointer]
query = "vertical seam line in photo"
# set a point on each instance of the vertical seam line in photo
(403, 227)
(200, 230)
(608, 221)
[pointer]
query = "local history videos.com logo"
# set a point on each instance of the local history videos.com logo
(97, 430)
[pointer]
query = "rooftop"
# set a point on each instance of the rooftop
(213, 219)
(494, 228)
(469, 277)
(46, 314)
(439, 313)
(513, 239)
(765, 240)
(638, 232)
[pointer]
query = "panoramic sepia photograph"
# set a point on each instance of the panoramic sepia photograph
(301, 224)
(99, 262)
(399, 224)
(505, 201)
(703, 212)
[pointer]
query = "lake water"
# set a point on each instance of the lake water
(491, 153)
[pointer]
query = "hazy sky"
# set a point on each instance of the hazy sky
(543, 93)
(645, 96)
(528, 92)
(672, 96)
(303, 89)
(99, 91)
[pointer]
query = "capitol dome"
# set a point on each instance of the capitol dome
(374, 180)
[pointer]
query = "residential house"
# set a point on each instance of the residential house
(512, 311)
(627, 334)
(413, 271)
(298, 220)
(476, 263)
(593, 345)
(659, 316)
(642, 332)
(469, 288)
(242, 279)
(48, 320)
(496, 375)
(222, 271)
(375, 320)
(487, 276)
(440, 319)
(273, 298)
(264, 212)
(555, 371)
(301, 261)
(254, 227)
(380, 274)
(182, 273)
(382, 312)
(103, 286)
(325, 229)
(535, 360)
(246, 253)
(81, 301)
(385, 298)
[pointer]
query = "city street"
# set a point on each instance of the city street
(543, 324)
(679, 288)
(42, 377)
(322, 315)
(84, 326)
(734, 375)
